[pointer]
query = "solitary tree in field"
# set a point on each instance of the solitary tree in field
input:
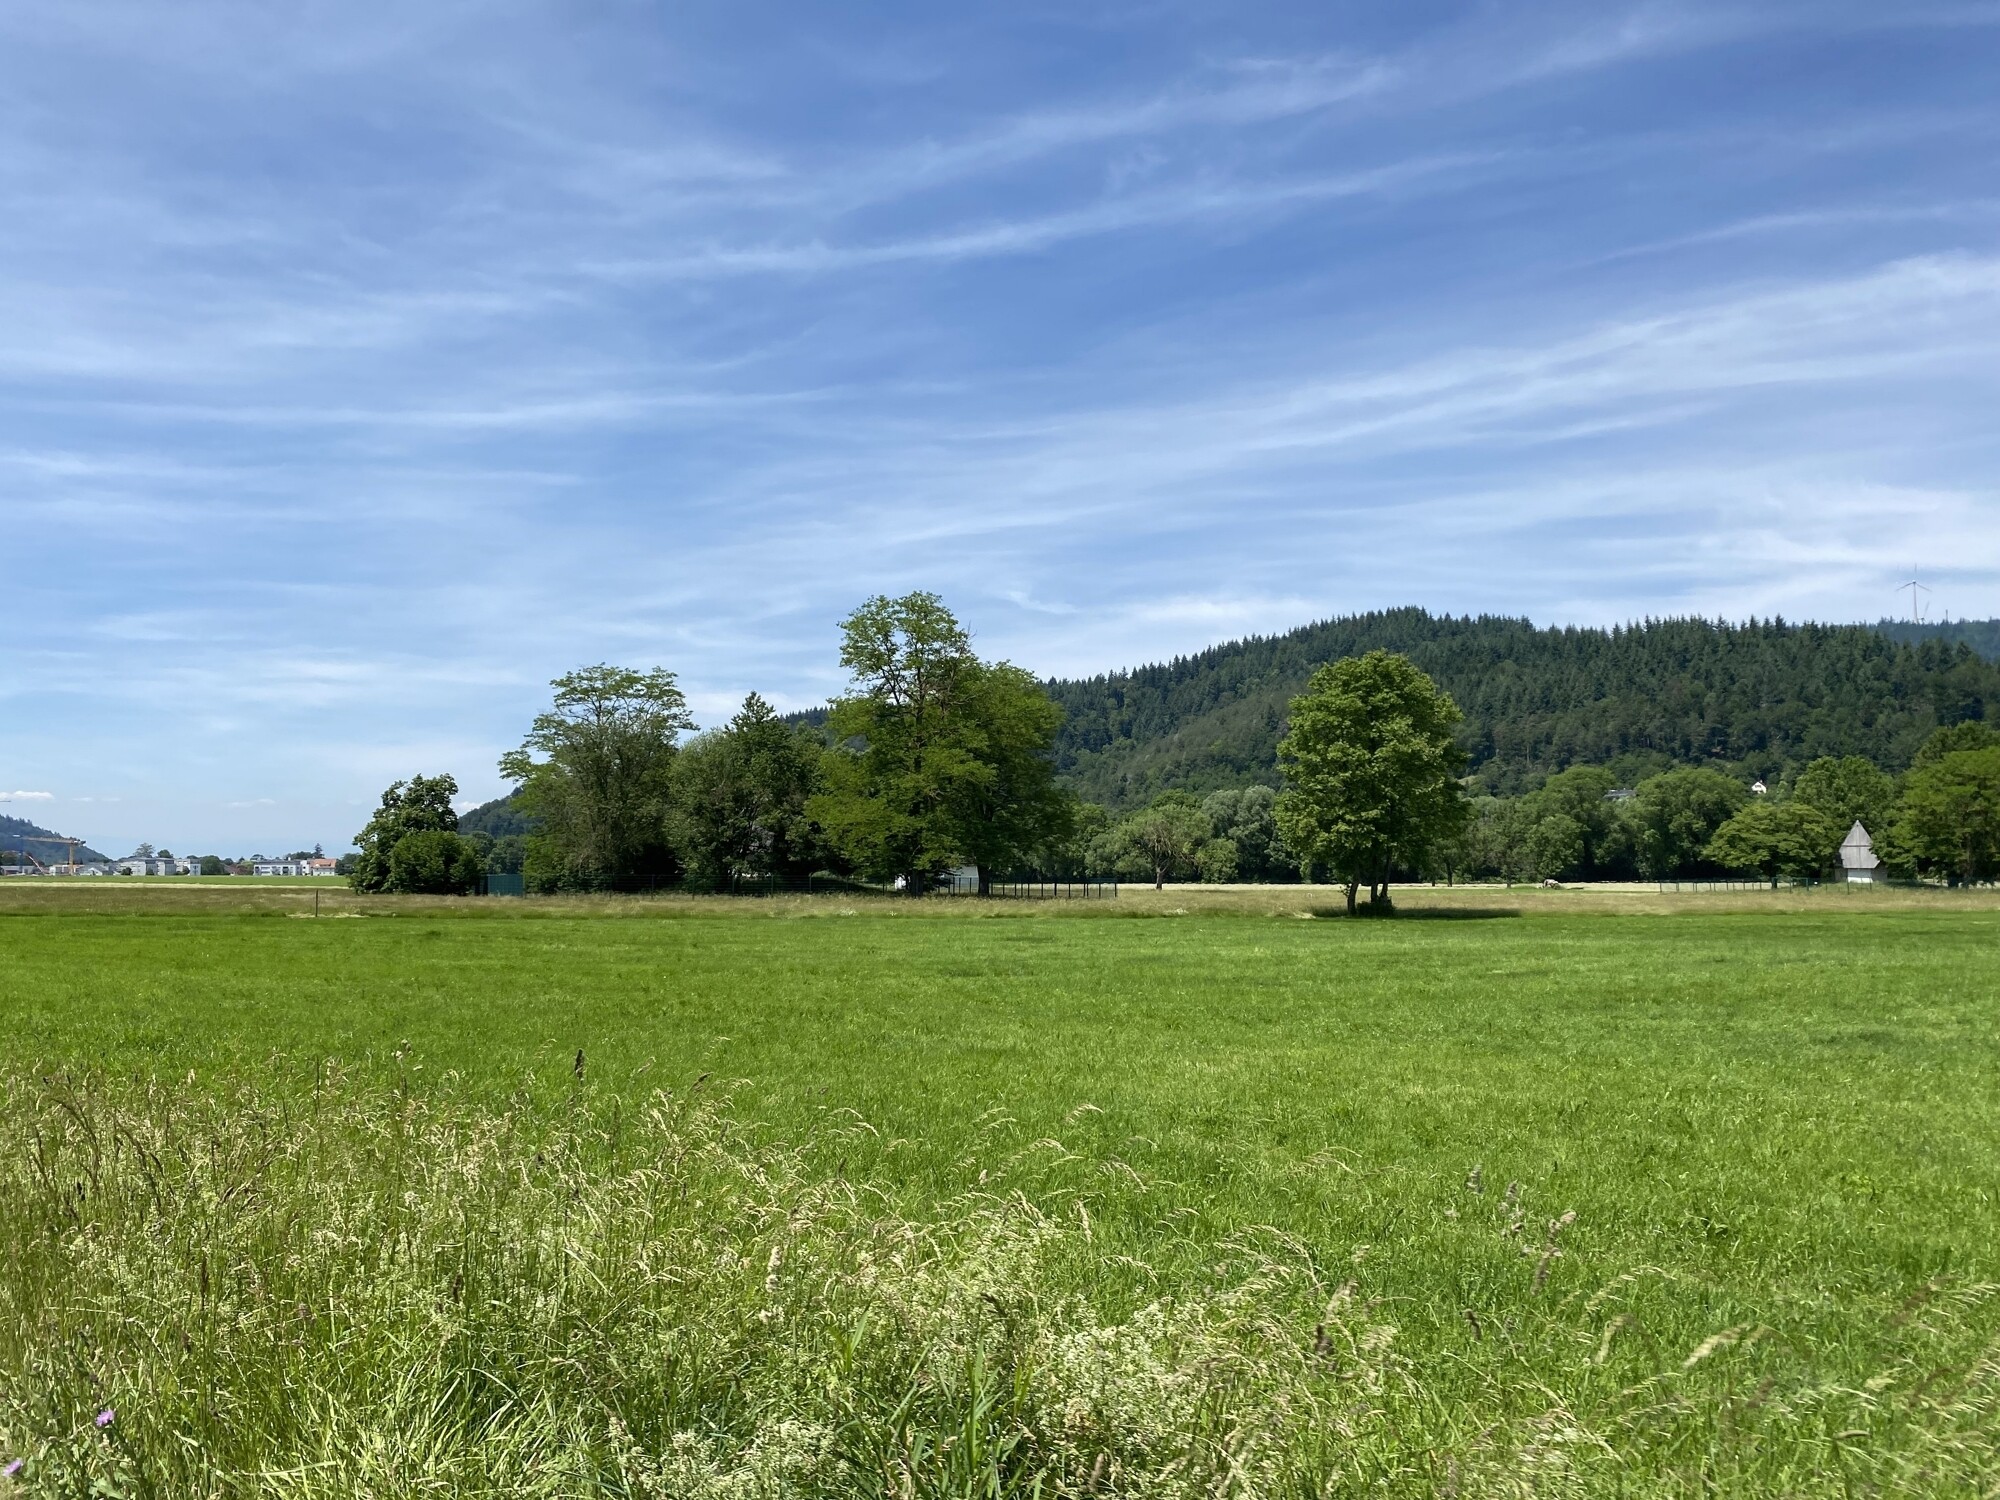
(1170, 835)
(938, 758)
(420, 805)
(596, 770)
(1371, 771)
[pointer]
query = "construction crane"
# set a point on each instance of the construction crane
(60, 838)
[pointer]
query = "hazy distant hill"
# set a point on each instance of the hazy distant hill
(499, 817)
(19, 833)
(1982, 636)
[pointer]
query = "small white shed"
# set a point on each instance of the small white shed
(1858, 864)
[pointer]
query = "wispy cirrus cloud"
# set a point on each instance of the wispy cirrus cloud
(362, 369)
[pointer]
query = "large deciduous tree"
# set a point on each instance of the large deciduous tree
(435, 863)
(596, 770)
(1848, 790)
(938, 758)
(1676, 813)
(740, 795)
(1949, 739)
(1170, 835)
(1371, 771)
(1948, 822)
(1777, 838)
(420, 805)
(1596, 843)
(1246, 818)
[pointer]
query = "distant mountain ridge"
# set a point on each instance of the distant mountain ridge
(1754, 698)
(19, 833)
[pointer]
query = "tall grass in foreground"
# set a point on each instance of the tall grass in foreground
(368, 1289)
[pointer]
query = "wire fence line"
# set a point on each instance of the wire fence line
(772, 885)
(1810, 883)
(1048, 890)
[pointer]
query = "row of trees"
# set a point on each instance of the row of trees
(935, 759)
(1939, 821)
(1375, 792)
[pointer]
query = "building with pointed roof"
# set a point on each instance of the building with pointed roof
(1858, 862)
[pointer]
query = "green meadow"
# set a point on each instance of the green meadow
(1514, 1193)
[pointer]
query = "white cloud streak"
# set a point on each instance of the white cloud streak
(359, 371)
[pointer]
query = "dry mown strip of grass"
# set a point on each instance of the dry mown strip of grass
(55, 897)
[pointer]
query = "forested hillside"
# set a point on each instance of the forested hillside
(1754, 698)
(1751, 698)
(19, 833)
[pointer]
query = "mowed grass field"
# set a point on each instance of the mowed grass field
(1513, 1193)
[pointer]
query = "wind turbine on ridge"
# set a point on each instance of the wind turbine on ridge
(1916, 615)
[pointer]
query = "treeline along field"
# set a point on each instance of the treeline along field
(1520, 1204)
(1172, 771)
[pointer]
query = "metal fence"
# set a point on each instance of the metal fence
(1735, 883)
(818, 884)
(1799, 883)
(1050, 890)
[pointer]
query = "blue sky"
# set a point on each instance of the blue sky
(362, 365)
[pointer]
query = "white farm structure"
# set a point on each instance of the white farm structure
(1859, 864)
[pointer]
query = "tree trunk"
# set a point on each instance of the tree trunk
(1159, 877)
(985, 880)
(1352, 887)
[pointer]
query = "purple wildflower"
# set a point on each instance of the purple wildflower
(104, 1417)
(14, 1468)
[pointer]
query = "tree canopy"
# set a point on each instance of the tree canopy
(434, 862)
(1849, 790)
(937, 758)
(1948, 822)
(1675, 814)
(1777, 838)
(595, 773)
(1371, 770)
(740, 795)
(420, 805)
